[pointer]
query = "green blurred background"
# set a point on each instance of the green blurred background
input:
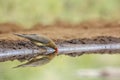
(30, 12)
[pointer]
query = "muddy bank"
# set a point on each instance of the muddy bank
(88, 32)
(65, 30)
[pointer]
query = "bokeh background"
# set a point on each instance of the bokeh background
(30, 12)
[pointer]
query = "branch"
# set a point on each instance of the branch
(25, 50)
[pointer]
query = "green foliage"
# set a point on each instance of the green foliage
(29, 12)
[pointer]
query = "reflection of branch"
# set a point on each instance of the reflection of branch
(24, 50)
(105, 72)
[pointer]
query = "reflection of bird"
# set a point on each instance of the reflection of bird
(39, 40)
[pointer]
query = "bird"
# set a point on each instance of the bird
(39, 40)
